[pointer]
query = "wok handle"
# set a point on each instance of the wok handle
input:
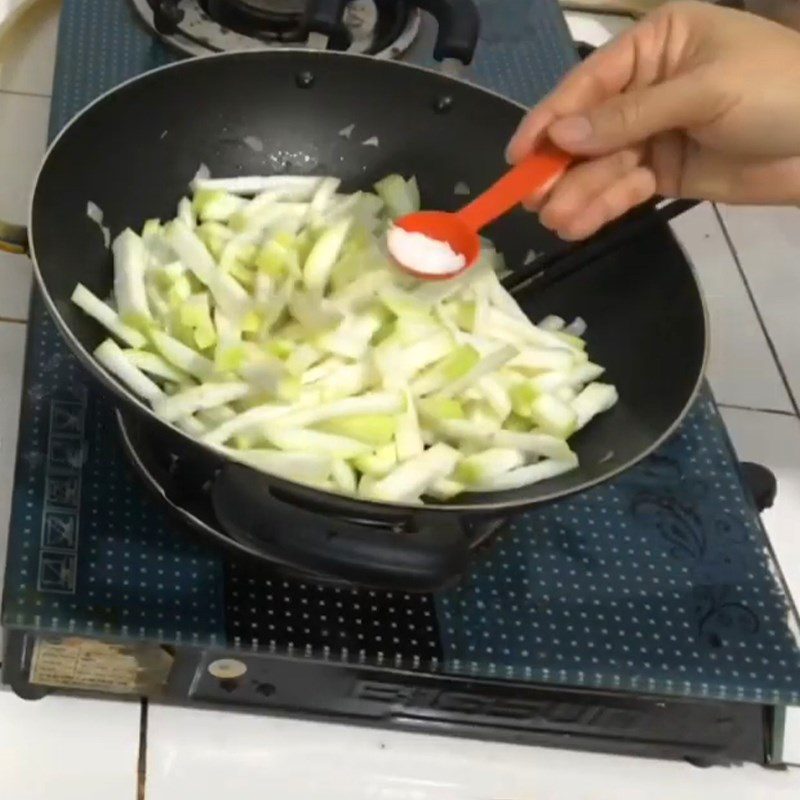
(13, 238)
(559, 263)
(459, 26)
(419, 553)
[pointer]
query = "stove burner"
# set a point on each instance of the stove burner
(265, 17)
(262, 8)
(383, 28)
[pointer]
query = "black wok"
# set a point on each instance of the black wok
(133, 153)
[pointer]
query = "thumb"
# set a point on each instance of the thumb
(631, 118)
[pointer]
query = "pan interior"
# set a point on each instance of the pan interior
(134, 152)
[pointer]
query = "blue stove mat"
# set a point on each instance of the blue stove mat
(661, 581)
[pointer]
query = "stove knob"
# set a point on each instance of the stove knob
(584, 49)
(227, 669)
(762, 483)
(166, 15)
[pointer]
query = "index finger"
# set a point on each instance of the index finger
(608, 71)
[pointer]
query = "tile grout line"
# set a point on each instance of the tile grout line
(759, 316)
(17, 93)
(141, 765)
(777, 411)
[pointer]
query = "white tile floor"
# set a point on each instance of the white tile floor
(44, 754)
(736, 337)
(77, 748)
(23, 135)
(766, 243)
(298, 761)
(29, 55)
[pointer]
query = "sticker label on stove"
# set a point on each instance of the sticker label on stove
(66, 454)
(76, 663)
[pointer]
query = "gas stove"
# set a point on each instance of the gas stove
(384, 28)
(647, 616)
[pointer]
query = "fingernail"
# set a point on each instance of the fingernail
(509, 159)
(571, 130)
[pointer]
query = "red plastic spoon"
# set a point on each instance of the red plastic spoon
(534, 175)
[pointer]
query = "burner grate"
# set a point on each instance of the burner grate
(384, 28)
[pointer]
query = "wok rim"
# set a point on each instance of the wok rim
(361, 504)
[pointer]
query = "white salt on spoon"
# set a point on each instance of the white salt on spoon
(424, 253)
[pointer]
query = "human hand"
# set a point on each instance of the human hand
(695, 101)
